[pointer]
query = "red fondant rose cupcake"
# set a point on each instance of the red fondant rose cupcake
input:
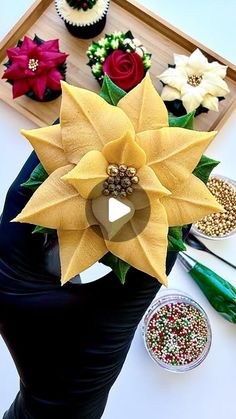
(122, 57)
(35, 68)
(125, 69)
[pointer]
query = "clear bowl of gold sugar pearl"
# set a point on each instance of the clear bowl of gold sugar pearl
(219, 226)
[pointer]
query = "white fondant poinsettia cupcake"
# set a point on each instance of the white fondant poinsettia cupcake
(193, 83)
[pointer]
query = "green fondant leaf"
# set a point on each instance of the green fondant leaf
(129, 35)
(204, 168)
(43, 230)
(119, 267)
(110, 92)
(175, 239)
(38, 40)
(185, 121)
(37, 177)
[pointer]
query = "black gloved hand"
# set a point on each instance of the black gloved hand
(68, 343)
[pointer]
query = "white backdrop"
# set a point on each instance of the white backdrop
(143, 390)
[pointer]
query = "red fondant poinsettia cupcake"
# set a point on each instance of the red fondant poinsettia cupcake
(35, 68)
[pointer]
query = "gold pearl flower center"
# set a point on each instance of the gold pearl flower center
(33, 64)
(121, 181)
(194, 80)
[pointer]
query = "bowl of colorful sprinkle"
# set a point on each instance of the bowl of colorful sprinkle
(176, 331)
(219, 225)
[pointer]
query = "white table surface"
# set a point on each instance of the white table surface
(143, 389)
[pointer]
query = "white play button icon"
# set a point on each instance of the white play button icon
(113, 213)
(117, 210)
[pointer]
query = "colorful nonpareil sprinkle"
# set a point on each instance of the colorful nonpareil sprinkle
(177, 334)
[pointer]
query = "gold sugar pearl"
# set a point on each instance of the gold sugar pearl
(194, 80)
(121, 174)
(115, 193)
(129, 190)
(33, 64)
(125, 182)
(111, 187)
(117, 180)
(120, 180)
(135, 179)
(122, 168)
(112, 170)
(131, 171)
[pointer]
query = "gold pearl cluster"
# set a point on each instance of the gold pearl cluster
(121, 181)
(33, 64)
(219, 224)
(194, 80)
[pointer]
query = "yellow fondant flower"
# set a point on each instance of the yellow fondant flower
(95, 139)
(195, 81)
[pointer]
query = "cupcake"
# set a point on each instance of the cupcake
(83, 18)
(122, 57)
(193, 83)
(35, 68)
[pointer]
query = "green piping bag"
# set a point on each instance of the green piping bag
(219, 292)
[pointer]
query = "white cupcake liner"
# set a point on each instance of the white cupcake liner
(82, 18)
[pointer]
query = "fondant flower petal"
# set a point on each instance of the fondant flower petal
(20, 87)
(148, 189)
(39, 85)
(198, 91)
(14, 72)
(21, 60)
(173, 153)
(79, 250)
(174, 77)
(210, 102)
(88, 175)
(197, 62)
(51, 45)
(214, 85)
(56, 204)
(189, 203)
(169, 93)
(217, 68)
(48, 146)
(192, 98)
(27, 45)
(13, 52)
(147, 250)
(88, 122)
(144, 107)
(54, 78)
(180, 59)
(56, 58)
(124, 150)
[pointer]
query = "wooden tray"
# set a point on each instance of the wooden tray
(158, 36)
